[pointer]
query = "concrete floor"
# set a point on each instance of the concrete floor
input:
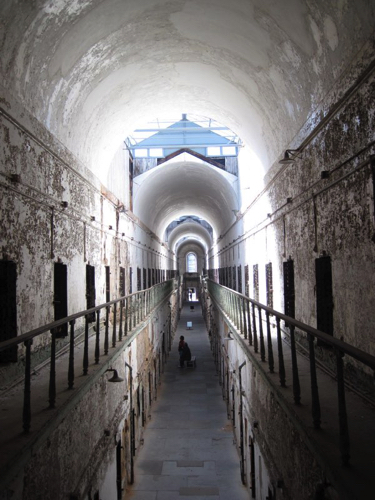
(188, 449)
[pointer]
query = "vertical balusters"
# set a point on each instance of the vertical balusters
(106, 331)
(315, 409)
(343, 418)
(255, 329)
(296, 386)
(27, 388)
(114, 325)
(97, 337)
(121, 320)
(52, 372)
(261, 337)
(71, 356)
(269, 344)
(280, 354)
(86, 347)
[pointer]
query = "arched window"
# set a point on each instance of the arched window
(191, 263)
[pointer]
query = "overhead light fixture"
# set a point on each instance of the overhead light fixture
(115, 377)
(290, 156)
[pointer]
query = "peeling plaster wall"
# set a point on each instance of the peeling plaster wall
(341, 224)
(38, 231)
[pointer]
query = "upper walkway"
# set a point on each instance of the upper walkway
(188, 449)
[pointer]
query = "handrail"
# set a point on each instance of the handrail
(133, 309)
(54, 324)
(343, 346)
(247, 317)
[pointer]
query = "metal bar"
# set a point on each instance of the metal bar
(343, 418)
(261, 337)
(121, 320)
(126, 316)
(244, 318)
(249, 322)
(190, 146)
(130, 313)
(114, 325)
(26, 417)
(314, 384)
(71, 356)
(52, 372)
(106, 332)
(269, 344)
(97, 337)
(254, 329)
(86, 347)
(239, 314)
(296, 385)
(280, 354)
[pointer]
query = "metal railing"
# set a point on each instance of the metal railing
(249, 317)
(126, 314)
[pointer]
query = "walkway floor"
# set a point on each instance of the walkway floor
(188, 449)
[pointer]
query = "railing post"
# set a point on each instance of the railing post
(244, 318)
(114, 325)
(254, 329)
(27, 388)
(121, 319)
(261, 337)
(315, 409)
(269, 344)
(296, 386)
(52, 372)
(249, 322)
(239, 314)
(130, 313)
(97, 337)
(280, 354)
(71, 356)
(86, 347)
(126, 317)
(106, 331)
(343, 418)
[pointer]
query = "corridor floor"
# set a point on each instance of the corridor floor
(188, 450)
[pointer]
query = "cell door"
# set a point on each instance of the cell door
(8, 308)
(324, 294)
(60, 300)
(122, 288)
(289, 294)
(90, 290)
(130, 280)
(144, 279)
(107, 284)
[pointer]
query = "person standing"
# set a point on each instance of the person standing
(184, 351)
(181, 347)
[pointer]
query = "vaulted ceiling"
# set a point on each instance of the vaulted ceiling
(92, 70)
